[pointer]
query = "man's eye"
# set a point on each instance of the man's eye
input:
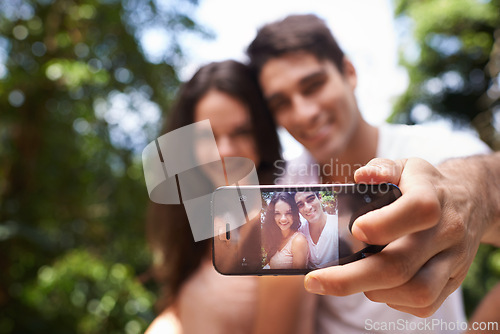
(313, 87)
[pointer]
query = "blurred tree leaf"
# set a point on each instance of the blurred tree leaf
(449, 58)
(97, 297)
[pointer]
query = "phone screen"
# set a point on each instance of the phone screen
(273, 230)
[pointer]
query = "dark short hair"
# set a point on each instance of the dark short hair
(316, 193)
(295, 33)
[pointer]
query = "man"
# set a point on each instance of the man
(463, 192)
(309, 85)
(320, 230)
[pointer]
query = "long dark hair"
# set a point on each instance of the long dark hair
(271, 233)
(175, 254)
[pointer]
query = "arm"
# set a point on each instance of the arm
(284, 306)
(433, 232)
(487, 314)
(481, 175)
(467, 188)
(300, 251)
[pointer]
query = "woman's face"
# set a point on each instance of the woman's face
(283, 215)
(232, 129)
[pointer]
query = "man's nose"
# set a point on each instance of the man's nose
(305, 109)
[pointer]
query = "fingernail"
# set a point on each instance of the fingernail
(358, 233)
(313, 285)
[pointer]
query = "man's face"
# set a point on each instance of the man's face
(313, 101)
(309, 206)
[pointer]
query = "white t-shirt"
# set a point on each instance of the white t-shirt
(326, 251)
(356, 314)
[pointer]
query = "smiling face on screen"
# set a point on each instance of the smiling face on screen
(283, 215)
(309, 206)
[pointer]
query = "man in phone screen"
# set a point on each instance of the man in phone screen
(309, 85)
(320, 230)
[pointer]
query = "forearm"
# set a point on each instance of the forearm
(487, 313)
(480, 176)
(283, 306)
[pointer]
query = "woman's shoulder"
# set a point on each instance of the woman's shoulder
(166, 322)
(299, 240)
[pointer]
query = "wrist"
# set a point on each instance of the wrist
(467, 182)
(491, 191)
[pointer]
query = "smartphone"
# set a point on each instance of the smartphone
(291, 230)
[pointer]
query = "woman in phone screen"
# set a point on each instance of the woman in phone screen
(285, 247)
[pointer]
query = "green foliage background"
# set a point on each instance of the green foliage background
(79, 99)
(451, 50)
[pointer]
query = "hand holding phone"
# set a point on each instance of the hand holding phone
(287, 230)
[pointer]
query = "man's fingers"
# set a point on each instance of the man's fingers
(410, 213)
(355, 277)
(418, 209)
(395, 265)
(427, 311)
(424, 289)
(380, 170)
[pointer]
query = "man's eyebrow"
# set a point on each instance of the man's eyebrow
(313, 76)
(310, 77)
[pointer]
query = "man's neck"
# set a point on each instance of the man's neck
(315, 228)
(360, 150)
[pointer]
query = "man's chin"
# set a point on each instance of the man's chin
(328, 152)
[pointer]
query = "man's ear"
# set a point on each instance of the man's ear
(350, 74)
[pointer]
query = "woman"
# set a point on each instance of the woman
(194, 297)
(285, 247)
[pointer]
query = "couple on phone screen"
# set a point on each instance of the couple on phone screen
(292, 244)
